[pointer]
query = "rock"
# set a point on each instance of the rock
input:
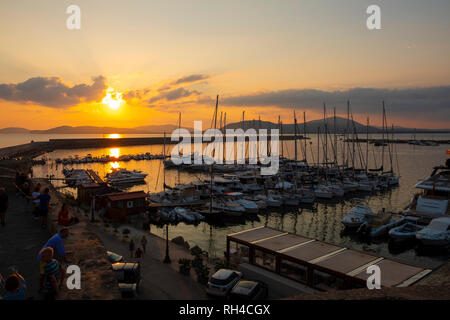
(186, 245)
(178, 240)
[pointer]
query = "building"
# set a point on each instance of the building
(119, 205)
(279, 257)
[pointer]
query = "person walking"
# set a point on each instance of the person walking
(132, 248)
(44, 206)
(4, 202)
(144, 242)
(35, 195)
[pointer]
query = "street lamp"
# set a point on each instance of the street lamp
(167, 258)
(92, 209)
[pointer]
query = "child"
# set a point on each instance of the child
(15, 287)
(52, 275)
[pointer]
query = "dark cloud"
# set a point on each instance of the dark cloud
(52, 92)
(432, 102)
(191, 78)
(174, 94)
(135, 94)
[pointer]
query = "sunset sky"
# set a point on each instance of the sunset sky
(264, 57)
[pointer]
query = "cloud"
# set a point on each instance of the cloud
(135, 94)
(52, 92)
(190, 78)
(173, 95)
(430, 102)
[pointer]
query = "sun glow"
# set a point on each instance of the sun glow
(114, 152)
(113, 99)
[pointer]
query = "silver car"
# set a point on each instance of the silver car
(222, 282)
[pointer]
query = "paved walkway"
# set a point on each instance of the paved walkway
(20, 241)
(160, 281)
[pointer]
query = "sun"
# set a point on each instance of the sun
(113, 99)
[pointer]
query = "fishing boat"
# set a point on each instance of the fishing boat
(406, 231)
(437, 233)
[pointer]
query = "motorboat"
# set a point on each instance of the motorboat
(237, 197)
(124, 176)
(406, 231)
(357, 216)
(433, 200)
(437, 233)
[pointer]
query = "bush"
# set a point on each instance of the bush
(185, 266)
(202, 272)
(220, 265)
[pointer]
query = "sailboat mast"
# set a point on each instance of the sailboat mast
(367, 145)
(382, 142)
(295, 135)
(304, 134)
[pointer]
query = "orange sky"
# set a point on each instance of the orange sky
(175, 57)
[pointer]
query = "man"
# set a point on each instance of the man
(4, 202)
(56, 243)
(52, 276)
(44, 206)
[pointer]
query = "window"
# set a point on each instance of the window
(326, 281)
(120, 204)
(130, 204)
(239, 253)
(139, 203)
(265, 260)
(293, 270)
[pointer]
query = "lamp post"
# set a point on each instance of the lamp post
(167, 258)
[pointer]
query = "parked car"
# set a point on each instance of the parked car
(114, 257)
(222, 282)
(127, 272)
(249, 290)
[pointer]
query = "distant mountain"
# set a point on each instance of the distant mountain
(14, 130)
(168, 128)
(311, 127)
(319, 125)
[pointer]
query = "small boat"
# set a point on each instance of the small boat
(357, 216)
(437, 233)
(406, 231)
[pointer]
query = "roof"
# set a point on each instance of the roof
(125, 195)
(332, 258)
(255, 234)
(312, 251)
(346, 261)
(392, 273)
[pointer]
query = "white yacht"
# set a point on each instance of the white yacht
(432, 201)
(123, 176)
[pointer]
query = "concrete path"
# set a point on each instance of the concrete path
(160, 281)
(20, 241)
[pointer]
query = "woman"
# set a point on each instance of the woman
(63, 216)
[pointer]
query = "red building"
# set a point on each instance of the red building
(119, 205)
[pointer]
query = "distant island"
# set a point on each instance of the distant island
(342, 125)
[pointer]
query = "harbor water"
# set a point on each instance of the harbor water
(321, 221)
